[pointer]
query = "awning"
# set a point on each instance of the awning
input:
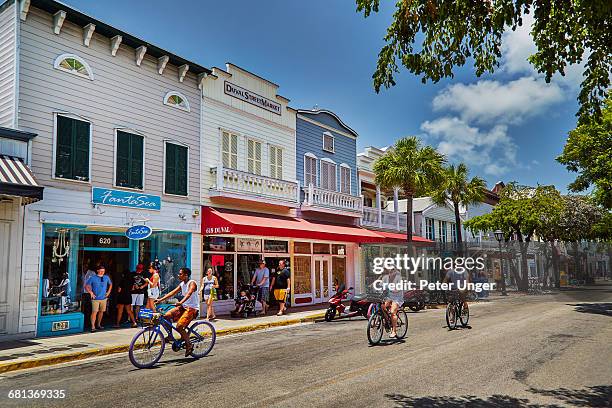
(394, 237)
(217, 221)
(16, 179)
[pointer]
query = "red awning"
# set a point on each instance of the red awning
(394, 237)
(217, 221)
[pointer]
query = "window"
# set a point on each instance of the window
(276, 162)
(276, 246)
(229, 150)
(320, 248)
(72, 148)
(302, 247)
(254, 156)
(442, 228)
(328, 175)
(310, 170)
(338, 249)
(74, 65)
(218, 243)
(129, 160)
(453, 228)
(328, 142)
(430, 231)
(175, 181)
(345, 179)
(176, 100)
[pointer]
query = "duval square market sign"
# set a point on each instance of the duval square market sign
(119, 198)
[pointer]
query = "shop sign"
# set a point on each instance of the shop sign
(137, 232)
(104, 241)
(251, 97)
(218, 230)
(249, 245)
(119, 198)
(61, 325)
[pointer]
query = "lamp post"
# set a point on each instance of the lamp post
(499, 236)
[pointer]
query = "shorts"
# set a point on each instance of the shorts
(98, 305)
(263, 294)
(153, 292)
(280, 294)
(137, 299)
(182, 316)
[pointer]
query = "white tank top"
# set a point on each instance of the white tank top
(194, 300)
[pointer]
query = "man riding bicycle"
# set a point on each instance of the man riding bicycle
(186, 309)
(458, 280)
(393, 298)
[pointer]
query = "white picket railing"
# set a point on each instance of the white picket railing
(249, 184)
(382, 219)
(318, 197)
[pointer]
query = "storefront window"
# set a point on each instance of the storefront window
(302, 275)
(338, 270)
(302, 248)
(218, 244)
(338, 249)
(246, 267)
(319, 248)
(169, 252)
(59, 277)
(276, 246)
(248, 245)
(223, 269)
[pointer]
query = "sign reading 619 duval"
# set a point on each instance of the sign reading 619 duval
(118, 198)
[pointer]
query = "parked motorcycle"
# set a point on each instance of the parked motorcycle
(415, 300)
(359, 305)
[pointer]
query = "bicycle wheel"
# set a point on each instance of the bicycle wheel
(330, 314)
(402, 324)
(147, 347)
(465, 315)
(375, 328)
(451, 316)
(203, 337)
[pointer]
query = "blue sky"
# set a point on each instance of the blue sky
(507, 126)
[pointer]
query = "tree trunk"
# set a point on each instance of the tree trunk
(409, 195)
(458, 223)
(555, 262)
(523, 283)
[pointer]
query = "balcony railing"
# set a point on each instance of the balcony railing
(315, 197)
(387, 220)
(241, 184)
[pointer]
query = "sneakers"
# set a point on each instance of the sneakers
(188, 349)
(392, 335)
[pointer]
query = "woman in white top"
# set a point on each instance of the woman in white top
(209, 281)
(153, 287)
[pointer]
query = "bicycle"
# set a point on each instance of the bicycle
(456, 312)
(380, 321)
(148, 345)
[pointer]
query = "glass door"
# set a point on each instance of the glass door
(322, 279)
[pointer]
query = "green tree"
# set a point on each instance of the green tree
(412, 167)
(458, 190)
(449, 32)
(588, 151)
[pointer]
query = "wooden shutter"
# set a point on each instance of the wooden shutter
(225, 149)
(72, 149)
(170, 179)
(276, 162)
(328, 175)
(253, 156)
(123, 159)
(130, 157)
(176, 169)
(310, 171)
(63, 153)
(137, 157)
(345, 179)
(328, 142)
(81, 150)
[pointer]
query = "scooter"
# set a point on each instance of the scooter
(415, 300)
(359, 305)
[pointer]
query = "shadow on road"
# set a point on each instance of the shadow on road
(598, 396)
(595, 308)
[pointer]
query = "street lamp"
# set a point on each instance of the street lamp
(499, 236)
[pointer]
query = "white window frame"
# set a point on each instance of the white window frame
(60, 58)
(165, 141)
(316, 175)
(329, 161)
(350, 185)
(246, 161)
(431, 236)
(77, 117)
(144, 153)
(238, 135)
(282, 170)
(186, 108)
(333, 138)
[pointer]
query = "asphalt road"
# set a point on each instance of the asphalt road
(528, 351)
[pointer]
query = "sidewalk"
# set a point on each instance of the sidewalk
(21, 354)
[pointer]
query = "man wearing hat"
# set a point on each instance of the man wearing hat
(261, 278)
(138, 288)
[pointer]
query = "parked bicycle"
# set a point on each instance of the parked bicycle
(149, 343)
(456, 311)
(380, 321)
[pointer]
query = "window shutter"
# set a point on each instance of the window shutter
(170, 180)
(225, 149)
(257, 158)
(72, 149)
(328, 142)
(181, 170)
(325, 175)
(332, 177)
(81, 149)
(279, 163)
(345, 180)
(63, 153)
(137, 145)
(234, 151)
(250, 156)
(272, 157)
(123, 159)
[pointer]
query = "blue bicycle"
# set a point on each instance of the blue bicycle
(149, 343)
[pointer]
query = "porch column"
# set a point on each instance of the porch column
(396, 207)
(378, 206)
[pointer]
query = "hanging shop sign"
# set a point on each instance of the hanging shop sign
(138, 232)
(252, 98)
(119, 198)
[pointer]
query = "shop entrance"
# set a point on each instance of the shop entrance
(322, 279)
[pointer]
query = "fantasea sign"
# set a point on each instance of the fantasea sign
(137, 232)
(252, 98)
(128, 199)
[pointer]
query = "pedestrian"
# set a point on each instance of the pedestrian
(124, 298)
(261, 278)
(138, 288)
(209, 284)
(153, 286)
(99, 288)
(281, 283)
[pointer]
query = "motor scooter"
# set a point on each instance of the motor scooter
(415, 300)
(360, 305)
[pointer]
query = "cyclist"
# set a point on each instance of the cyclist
(393, 298)
(186, 309)
(458, 280)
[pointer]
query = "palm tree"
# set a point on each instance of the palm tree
(458, 190)
(410, 166)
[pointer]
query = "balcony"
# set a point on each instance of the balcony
(384, 220)
(321, 200)
(236, 185)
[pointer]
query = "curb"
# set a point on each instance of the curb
(62, 358)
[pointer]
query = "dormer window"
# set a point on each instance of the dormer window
(328, 142)
(176, 100)
(74, 65)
